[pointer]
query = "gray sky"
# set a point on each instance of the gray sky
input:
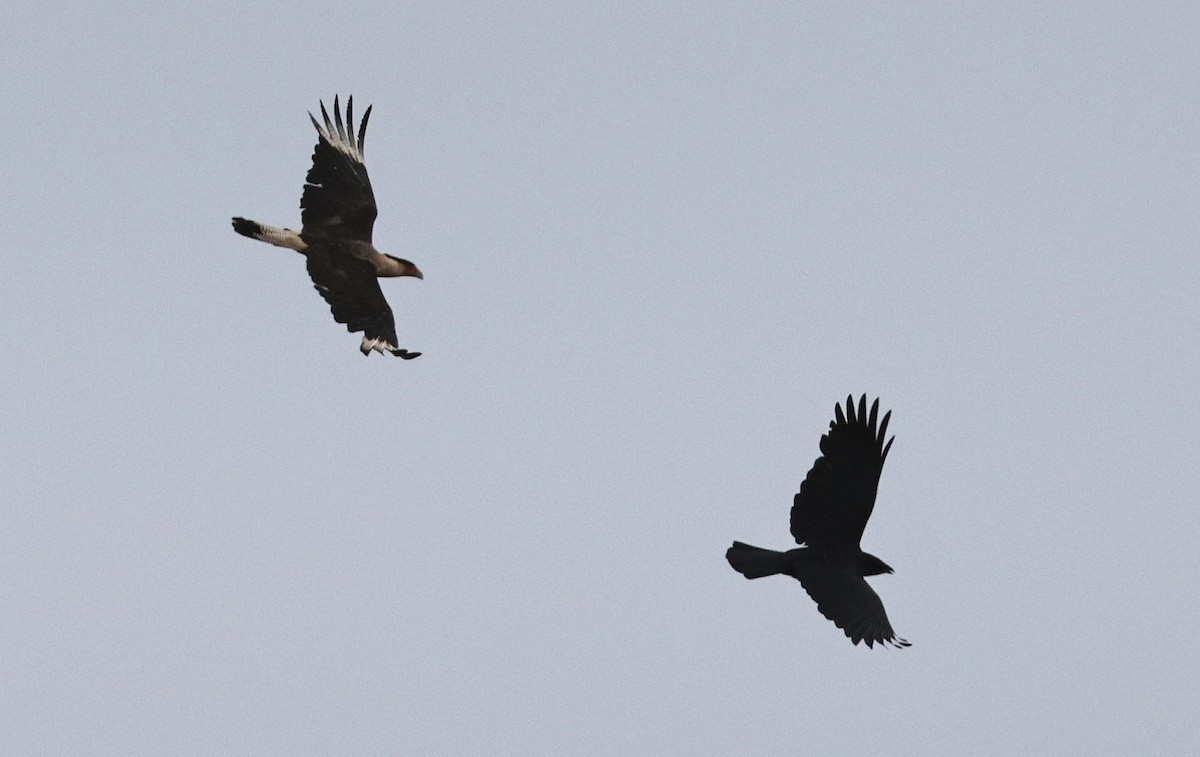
(660, 241)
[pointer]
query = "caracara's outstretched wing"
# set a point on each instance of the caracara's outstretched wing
(350, 287)
(338, 202)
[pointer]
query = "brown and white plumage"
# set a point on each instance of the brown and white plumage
(337, 214)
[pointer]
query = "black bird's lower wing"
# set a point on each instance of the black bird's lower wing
(848, 600)
(352, 290)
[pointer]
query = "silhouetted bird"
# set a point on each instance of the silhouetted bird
(828, 516)
(338, 213)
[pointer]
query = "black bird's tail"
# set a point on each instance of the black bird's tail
(755, 562)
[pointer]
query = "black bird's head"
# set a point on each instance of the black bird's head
(872, 565)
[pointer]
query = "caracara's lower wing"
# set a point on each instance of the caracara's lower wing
(350, 287)
(847, 600)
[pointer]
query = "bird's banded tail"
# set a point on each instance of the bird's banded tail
(269, 234)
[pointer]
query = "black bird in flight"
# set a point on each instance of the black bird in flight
(828, 517)
(337, 214)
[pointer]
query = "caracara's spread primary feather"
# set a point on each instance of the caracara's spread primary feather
(828, 518)
(338, 213)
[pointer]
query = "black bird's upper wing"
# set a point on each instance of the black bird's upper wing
(338, 202)
(847, 599)
(350, 287)
(838, 494)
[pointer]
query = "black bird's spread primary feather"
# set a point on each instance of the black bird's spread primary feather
(828, 517)
(337, 214)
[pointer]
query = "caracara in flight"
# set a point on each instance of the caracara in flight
(828, 516)
(337, 213)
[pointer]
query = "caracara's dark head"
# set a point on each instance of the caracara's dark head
(404, 267)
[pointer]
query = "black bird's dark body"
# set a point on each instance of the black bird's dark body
(828, 517)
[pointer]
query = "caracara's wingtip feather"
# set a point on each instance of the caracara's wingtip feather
(362, 130)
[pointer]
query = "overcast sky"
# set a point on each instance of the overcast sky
(660, 241)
